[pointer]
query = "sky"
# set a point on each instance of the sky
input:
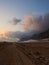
(23, 16)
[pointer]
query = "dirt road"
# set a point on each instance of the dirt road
(23, 54)
(10, 55)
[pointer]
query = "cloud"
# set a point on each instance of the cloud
(15, 20)
(36, 22)
(21, 35)
(33, 24)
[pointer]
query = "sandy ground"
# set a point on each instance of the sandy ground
(34, 53)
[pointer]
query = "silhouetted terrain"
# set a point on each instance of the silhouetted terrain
(31, 53)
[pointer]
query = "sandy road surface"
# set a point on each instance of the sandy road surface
(7, 55)
(24, 54)
(10, 55)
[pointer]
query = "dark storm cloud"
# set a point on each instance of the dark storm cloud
(22, 35)
(15, 20)
(32, 25)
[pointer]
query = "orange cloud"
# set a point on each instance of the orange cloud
(31, 23)
(27, 23)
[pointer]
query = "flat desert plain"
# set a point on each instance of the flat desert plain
(30, 53)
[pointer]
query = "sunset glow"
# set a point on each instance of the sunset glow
(23, 18)
(3, 33)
